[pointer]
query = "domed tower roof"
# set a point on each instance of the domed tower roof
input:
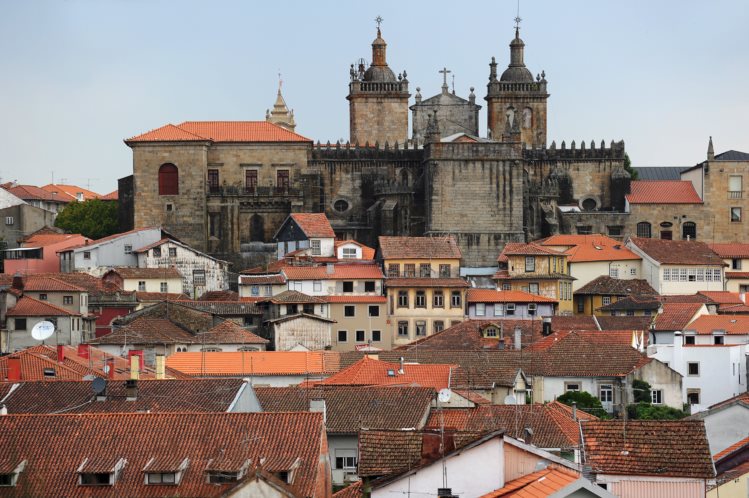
(379, 70)
(516, 71)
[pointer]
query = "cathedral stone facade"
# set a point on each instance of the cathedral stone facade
(237, 181)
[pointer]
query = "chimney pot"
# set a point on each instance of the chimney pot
(160, 367)
(17, 281)
(318, 405)
(401, 371)
(574, 410)
(134, 367)
(110, 368)
(14, 369)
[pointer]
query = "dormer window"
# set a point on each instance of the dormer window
(10, 479)
(224, 470)
(287, 475)
(93, 473)
(491, 332)
(163, 471)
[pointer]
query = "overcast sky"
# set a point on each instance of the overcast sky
(79, 76)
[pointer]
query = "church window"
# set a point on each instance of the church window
(340, 205)
(644, 230)
(168, 179)
(689, 230)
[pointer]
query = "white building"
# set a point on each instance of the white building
(115, 250)
(335, 279)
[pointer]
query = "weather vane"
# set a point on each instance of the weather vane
(378, 20)
(517, 17)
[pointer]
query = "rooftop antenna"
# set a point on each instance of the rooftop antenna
(453, 84)
(518, 19)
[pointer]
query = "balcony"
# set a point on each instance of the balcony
(240, 191)
(735, 194)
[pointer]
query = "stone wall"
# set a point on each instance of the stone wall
(378, 119)
(716, 176)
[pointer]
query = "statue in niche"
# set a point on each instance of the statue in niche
(527, 117)
(510, 116)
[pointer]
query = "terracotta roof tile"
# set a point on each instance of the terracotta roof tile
(675, 316)
(160, 296)
(223, 308)
(542, 484)
(624, 322)
(663, 192)
(112, 196)
(294, 297)
(33, 193)
(573, 322)
(369, 372)
(667, 448)
(504, 296)
(523, 249)
(425, 282)
(314, 224)
(220, 131)
(48, 239)
(37, 283)
(738, 445)
(28, 306)
(731, 324)
(468, 335)
(355, 490)
(277, 438)
(678, 252)
(722, 297)
(337, 272)
(275, 279)
(737, 275)
(71, 191)
(731, 250)
(148, 330)
(419, 248)
(599, 337)
(255, 363)
(635, 302)
(388, 452)
(616, 287)
(349, 409)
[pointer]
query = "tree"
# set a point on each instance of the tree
(646, 411)
(93, 218)
(628, 167)
(641, 391)
(585, 401)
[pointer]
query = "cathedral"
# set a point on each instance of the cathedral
(225, 187)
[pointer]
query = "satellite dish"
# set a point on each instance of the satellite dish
(99, 385)
(43, 330)
(510, 400)
(444, 395)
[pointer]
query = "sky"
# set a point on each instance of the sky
(77, 77)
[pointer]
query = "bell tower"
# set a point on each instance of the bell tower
(515, 100)
(378, 101)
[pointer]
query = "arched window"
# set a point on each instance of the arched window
(643, 230)
(689, 230)
(168, 179)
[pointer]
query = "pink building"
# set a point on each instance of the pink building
(39, 253)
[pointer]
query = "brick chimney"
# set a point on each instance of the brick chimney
(17, 281)
(160, 367)
(110, 368)
(134, 367)
(60, 353)
(14, 369)
(83, 351)
(430, 446)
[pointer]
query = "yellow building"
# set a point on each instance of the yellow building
(425, 293)
(538, 270)
(600, 296)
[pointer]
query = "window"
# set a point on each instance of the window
(585, 229)
(369, 286)
(8, 220)
(693, 368)
(532, 308)
(317, 286)
(250, 180)
(425, 270)
(168, 179)
(374, 310)
(480, 309)
(421, 299)
(606, 300)
(403, 329)
(606, 393)
(341, 205)
(615, 231)
(376, 336)
(42, 297)
(315, 245)
(162, 478)
(421, 328)
(409, 270)
(736, 214)
(533, 288)
(689, 230)
(643, 230)
(499, 309)
(571, 387)
(656, 396)
(156, 252)
(530, 263)
(67, 300)
(455, 299)
(169, 207)
(439, 326)
(86, 255)
(20, 323)
(491, 332)
(348, 286)
(268, 290)
(198, 278)
(360, 336)
(345, 462)
(282, 179)
(510, 309)
(718, 339)
(164, 287)
(667, 235)
(211, 349)
(255, 290)
(172, 252)
(614, 272)
(308, 308)
(349, 311)
(222, 477)
(394, 270)
(581, 306)
(734, 187)
(735, 264)
(438, 299)
(142, 285)
(50, 372)
(688, 339)
(444, 271)
(693, 396)
(342, 336)
(633, 271)
(403, 299)
(95, 479)
(506, 286)
(213, 182)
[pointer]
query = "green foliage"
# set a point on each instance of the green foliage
(641, 390)
(646, 411)
(585, 401)
(93, 219)
(628, 167)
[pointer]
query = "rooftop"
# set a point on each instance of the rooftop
(737, 250)
(333, 272)
(523, 249)
(541, 484)
(678, 252)
(617, 287)
(419, 248)
(28, 306)
(154, 330)
(71, 191)
(313, 224)
(675, 316)
(663, 192)
(587, 248)
(730, 324)
(219, 131)
(127, 272)
(248, 363)
(370, 372)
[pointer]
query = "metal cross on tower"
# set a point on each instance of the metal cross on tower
(378, 20)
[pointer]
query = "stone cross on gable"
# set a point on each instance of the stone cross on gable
(444, 71)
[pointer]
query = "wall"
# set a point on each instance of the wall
(716, 177)
(378, 118)
(64, 334)
(308, 332)
(734, 488)
(112, 252)
(334, 287)
(521, 311)
(26, 219)
(585, 272)
(660, 377)
(725, 426)
(345, 443)
(362, 321)
(662, 487)
(153, 284)
(80, 300)
(676, 215)
(50, 262)
(448, 314)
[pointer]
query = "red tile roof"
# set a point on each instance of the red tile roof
(468, 336)
(663, 192)
(206, 440)
(666, 448)
(678, 252)
(541, 484)
(314, 224)
(618, 287)
(369, 372)
(504, 296)
(523, 249)
(219, 131)
(48, 239)
(731, 250)
(38, 283)
(112, 196)
(249, 363)
(147, 330)
(222, 295)
(723, 297)
(598, 337)
(337, 272)
(293, 297)
(736, 275)
(275, 279)
(71, 191)
(425, 282)
(33, 193)
(28, 306)
(419, 248)
(675, 316)
(731, 324)
(595, 247)
(731, 449)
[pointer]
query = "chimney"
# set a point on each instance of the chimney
(318, 406)
(83, 351)
(14, 369)
(430, 445)
(518, 337)
(3, 410)
(676, 360)
(742, 296)
(546, 331)
(110, 368)
(501, 343)
(329, 269)
(17, 281)
(401, 371)
(445, 493)
(134, 367)
(131, 389)
(574, 411)
(160, 367)
(60, 353)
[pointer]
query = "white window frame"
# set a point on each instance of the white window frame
(348, 253)
(315, 247)
(480, 309)
(317, 285)
(656, 396)
(606, 391)
(499, 309)
(164, 287)
(9, 220)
